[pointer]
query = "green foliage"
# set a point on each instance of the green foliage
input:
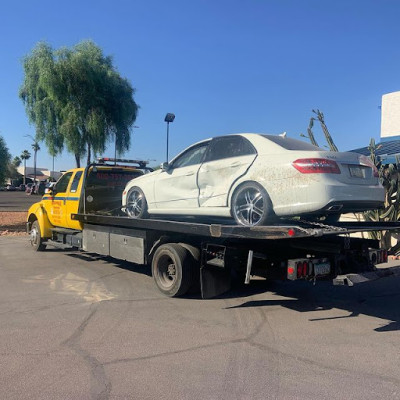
(16, 161)
(5, 158)
(25, 155)
(76, 97)
(389, 177)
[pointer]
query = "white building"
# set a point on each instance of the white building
(42, 174)
(390, 117)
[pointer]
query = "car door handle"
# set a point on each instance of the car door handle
(190, 173)
(235, 164)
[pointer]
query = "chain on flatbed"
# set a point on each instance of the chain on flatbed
(321, 225)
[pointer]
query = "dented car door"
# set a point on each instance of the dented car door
(176, 187)
(227, 159)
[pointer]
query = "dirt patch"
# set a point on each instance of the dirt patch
(12, 223)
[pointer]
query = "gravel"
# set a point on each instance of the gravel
(12, 223)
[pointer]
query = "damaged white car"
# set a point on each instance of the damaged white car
(255, 178)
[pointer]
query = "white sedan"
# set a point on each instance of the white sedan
(256, 178)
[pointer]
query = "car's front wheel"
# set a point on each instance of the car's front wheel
(136, 204)
(251, 205)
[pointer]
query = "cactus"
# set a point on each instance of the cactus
(390, 180)
(321, 119)
(310, 132)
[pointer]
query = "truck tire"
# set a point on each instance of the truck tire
(172, 268)
(35, 238)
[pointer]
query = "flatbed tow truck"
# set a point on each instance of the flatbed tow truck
(83, 211)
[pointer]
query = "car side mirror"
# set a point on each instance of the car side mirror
(48, 191)
(164, 166)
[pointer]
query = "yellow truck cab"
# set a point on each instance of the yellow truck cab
(94, 189)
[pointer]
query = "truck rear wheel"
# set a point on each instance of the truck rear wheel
(36, 238)
(172, 268)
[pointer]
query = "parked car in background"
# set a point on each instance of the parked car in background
(11, 188)
(255, 178)
(22, 187)
(28, 187)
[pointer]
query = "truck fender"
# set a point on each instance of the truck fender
(40, 215)
(194, 251)
(163, 239)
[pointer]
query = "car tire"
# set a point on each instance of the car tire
(251, 205)
(136, 204)
(35, 238)
(172, 268)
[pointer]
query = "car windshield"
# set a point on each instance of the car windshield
(291, 144)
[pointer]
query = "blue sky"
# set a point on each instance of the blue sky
(222, 66)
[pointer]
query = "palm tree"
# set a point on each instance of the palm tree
(36, 148)
(25, 155)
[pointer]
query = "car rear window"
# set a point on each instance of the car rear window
(291, 144)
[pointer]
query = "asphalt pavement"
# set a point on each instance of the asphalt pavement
(77, 326)
(17, 201)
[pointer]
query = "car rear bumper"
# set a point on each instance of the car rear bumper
(330, 199)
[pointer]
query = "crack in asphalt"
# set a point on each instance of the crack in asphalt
(101, 384)
(250, 340)
(43, 308)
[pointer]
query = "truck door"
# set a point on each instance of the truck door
(227, 159)
(72, 199)
(55, 203)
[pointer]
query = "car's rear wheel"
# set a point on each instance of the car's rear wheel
(136, 204)
(251, 205)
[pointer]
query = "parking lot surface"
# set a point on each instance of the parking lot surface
(75, 326)
(17, 201)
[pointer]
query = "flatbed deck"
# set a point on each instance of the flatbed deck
(285, 229)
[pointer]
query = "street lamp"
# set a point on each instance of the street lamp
(36, 148)
(168, 118)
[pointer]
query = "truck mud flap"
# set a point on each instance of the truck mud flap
(214, 281)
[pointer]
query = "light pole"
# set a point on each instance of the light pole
(168, 118)
(36, 148)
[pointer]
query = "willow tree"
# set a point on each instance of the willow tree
(76, 97)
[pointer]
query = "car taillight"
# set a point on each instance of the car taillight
(316, 166)
(364, 160)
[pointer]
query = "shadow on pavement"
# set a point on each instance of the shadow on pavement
(378, 299)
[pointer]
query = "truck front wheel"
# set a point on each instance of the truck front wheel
(36, 238)
(172, 268)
